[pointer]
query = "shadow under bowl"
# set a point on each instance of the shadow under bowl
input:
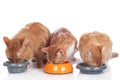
(16, 68)
(63, 68)
(84, 68)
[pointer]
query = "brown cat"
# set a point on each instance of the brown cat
(63, 46)
(96, 48)
(27, 43)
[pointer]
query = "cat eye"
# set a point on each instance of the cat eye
(61, 52)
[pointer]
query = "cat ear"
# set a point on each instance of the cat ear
(101, 48)
(25, 41)
(45, 50)
(6, 40)
(88, 54)
(60, 53)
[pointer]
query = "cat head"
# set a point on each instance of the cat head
(17, 49)
(54, 54)
(93, 55)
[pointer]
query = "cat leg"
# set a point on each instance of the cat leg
(44, 59)
(39, 58)
(73, 58)
(39, 62)
(114, 54)
(33, 59)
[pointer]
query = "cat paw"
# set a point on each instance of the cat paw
(114, 54)
(45, 61)
(39, 65)
(73, 59)
(33, 60)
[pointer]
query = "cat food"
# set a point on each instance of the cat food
(63, 68)
(16, 68)
(84, 68)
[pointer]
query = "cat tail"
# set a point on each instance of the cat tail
(114, 54)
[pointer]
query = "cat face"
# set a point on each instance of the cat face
(17, 49)
(55, 55)
(93, 55)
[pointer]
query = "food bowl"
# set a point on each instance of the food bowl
(84, 68)
(63, 68)
(16, 68)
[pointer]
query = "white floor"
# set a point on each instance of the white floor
(111, 73)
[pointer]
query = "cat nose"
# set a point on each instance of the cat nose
(10, 59)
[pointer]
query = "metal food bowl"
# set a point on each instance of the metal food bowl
(16, 68)
(84, 68)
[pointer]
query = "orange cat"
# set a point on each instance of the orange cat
(63, 46)
(96, 48)
(27, 43)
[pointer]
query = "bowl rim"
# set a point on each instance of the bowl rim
(10, 64)
(64, 64)
(91, 69)
(90, 66)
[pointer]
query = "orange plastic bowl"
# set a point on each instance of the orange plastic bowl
(63, 68)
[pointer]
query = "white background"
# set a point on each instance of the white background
(79, 16)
